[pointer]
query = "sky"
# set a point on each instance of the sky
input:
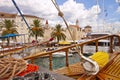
(100, 14)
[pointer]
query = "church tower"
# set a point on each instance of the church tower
(77, 22)
(46, 24)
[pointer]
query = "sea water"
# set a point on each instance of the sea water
(57, 62)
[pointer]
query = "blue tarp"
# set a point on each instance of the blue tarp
(9, 35)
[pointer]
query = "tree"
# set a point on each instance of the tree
(58, 33)
(8, 27)
(37, 29)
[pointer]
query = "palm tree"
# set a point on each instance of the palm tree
(37, 29)
(58, 33)
(9, 27)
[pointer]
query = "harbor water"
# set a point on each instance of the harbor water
(58, 62)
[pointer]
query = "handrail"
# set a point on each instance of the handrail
(74, 45)
(67, 47)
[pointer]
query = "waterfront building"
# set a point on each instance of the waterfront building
(76, 31)
(88, 29)
(21, 26)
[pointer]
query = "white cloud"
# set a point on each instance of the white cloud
(118, 10)
(74, 11)
(44, 8)
(117, 1)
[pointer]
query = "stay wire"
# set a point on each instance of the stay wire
(21, 14)
(95, 65)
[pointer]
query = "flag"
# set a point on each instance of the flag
(51, 39)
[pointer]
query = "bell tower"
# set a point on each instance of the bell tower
(77, 22)
(46, 24)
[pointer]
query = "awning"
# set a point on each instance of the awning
(64, 42)
(9, 35)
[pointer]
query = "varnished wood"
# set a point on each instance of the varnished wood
(96, 46)
(67, 62)
(111, 44)
(74, 70)
(68, 47)
(50, 63)
(82, 48)
(109, 72)
(112, 70)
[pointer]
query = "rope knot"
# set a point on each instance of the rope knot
(60, 14)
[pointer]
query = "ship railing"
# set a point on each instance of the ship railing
(66, 49)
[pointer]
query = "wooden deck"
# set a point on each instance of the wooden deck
(74, 70)
(112, 70)
(55, 75)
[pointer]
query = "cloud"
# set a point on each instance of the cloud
(117, 1)
(118, 9)
(44, 8)
(74, 11)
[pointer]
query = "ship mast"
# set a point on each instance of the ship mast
(97, 15)
(103, 7)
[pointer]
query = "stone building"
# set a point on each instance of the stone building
(76, 31)
(22, 27)
(88, 29)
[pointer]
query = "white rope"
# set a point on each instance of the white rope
(94, 66)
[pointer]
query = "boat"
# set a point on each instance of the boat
(80, 71)
(87, 68)
(97, 34)
(61, 54)
(76, 70)
(89, 49)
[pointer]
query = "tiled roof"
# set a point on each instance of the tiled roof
(9, 15)
(88, 27)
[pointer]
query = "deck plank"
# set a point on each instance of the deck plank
(74, 69)
(112, 72)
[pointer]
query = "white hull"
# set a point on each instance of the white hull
(60, 54)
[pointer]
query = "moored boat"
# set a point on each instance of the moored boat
(61, 54)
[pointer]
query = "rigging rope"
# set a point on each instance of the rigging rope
(62, 16)
(93, 66)
(89, 65)
(21, 14)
